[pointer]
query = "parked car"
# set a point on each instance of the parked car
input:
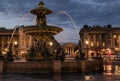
(117, 57)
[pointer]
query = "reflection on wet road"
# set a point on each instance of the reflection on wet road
(111, 73)
(112, 68)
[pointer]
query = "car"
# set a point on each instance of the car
(117, 58)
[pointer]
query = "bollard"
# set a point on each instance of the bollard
(83, 66)
(1, 66)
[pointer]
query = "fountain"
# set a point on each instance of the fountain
(41, 33)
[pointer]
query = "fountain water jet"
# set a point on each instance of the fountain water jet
(74, 25)
(9, 48)
(14, 30)
(22, 18)
(64, 12)
(12, 36)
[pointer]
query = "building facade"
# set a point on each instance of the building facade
(99, 40)
(7, 39)
(69, 48)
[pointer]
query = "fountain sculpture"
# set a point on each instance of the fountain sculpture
(41, 32)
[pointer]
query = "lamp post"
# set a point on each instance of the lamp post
(50, 43)
(16, 52)
(87, 42)
(9, 56)
(116, 49)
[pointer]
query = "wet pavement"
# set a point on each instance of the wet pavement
(111, 73)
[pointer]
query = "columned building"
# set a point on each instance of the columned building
(69, 48)
(99, 40)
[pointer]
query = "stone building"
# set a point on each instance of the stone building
(99, 41)
(69, 48)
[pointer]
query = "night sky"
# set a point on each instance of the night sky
(68, 14)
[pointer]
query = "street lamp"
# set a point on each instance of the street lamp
(50, 43)
(15, 43)
(87, 42)
(16, 52)
(116, 49)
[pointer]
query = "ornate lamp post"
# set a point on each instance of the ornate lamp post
(9, 53)
(87, 42)
(116, 49)
(51, 47)
(16, 52)
(51, 43)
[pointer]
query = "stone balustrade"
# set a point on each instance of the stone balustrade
(51, 66)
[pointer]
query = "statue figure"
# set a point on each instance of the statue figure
(41, 20)
(9, 54)
(60, 55)
(41, 13)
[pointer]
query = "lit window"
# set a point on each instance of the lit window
(114, 36)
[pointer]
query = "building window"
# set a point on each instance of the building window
(103, 44)
(116, 42)
(97, 44)
(114, 36)
(92, 44)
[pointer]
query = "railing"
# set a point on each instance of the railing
(28, 67)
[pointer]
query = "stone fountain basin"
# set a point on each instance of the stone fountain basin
(34, 29)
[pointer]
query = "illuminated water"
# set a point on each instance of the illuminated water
(14, 30)
(12, 36)
(111, 73)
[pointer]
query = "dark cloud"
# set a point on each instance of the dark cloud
(82, 11)
(91, 12)
(106, 1)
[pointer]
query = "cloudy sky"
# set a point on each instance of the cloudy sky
(68, 14)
